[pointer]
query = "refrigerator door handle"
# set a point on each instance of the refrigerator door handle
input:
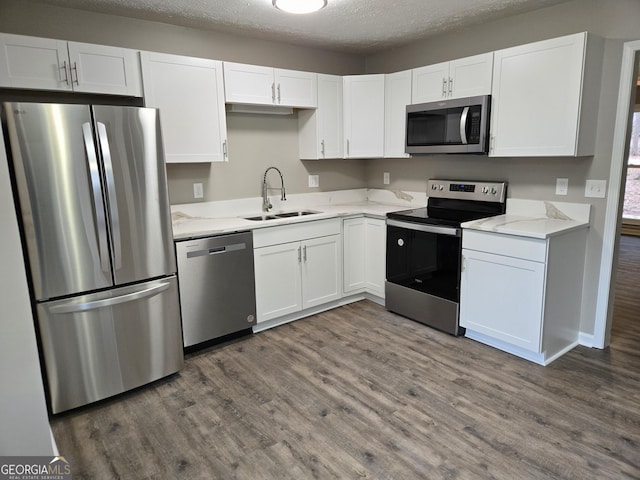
(111, 194)
(97, 197)
(75, 306)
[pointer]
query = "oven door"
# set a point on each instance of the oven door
(425, 258)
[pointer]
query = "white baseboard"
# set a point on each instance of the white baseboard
(586, 339)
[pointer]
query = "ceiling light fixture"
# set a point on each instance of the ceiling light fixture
(299, 6)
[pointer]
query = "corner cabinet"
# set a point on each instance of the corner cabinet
(297, 267)
(364, 247)
(545, 97)
(190, 95)
(48, 64)
(464, 77)
(320, 130)
(523, 295)
(364, 116)
(257, 85)
(397, 95)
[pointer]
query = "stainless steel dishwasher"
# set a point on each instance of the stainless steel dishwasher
(217, 286)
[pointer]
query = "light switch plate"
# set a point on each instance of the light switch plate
(314, 181)
(595, 188)
(385, 178)
(562, 186)
(198, 191)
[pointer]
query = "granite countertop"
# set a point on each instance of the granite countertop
(535, 220)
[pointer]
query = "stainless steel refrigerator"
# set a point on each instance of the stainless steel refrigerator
(92, 191)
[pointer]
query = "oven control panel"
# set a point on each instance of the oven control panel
(465, 190)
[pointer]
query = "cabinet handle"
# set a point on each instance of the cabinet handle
(64, 69)
(491, 143)
(279, 98)
(450, 86)
(224, 150)
(464, 263)
(304, 253)
(75, 67)
(444, 87)
(273, 92)
(322, 147)
(347, 147)
(299, 255)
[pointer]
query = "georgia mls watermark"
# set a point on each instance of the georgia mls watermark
(35, 468)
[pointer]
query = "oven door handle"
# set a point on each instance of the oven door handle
(421, 227)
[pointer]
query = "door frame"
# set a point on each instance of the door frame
(613, 217)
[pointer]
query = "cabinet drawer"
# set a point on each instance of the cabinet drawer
(508, 245)
(263, 237)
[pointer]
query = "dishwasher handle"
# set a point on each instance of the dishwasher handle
(217, 250)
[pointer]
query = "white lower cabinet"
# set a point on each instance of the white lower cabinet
(523, 295)
(297, 267)
(364, 241)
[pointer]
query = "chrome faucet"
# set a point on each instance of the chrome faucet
(266, 204)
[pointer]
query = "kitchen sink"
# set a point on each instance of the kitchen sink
(259, 218)
(299, 213)
(275, 216)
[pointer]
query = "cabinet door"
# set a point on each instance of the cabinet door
(296, 89)
(103, 69)
(364, 116)
(30, 62)
(190, 95)
(503, 297)
(397, 95)
(320, 130)
(278, 287)
(321, 270)
(375, 252)
(430, 83)
(330, 116)
(354, 255)
(536, 98)
(471, 76)
(250, 84)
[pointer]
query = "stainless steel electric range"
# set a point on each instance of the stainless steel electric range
(424, 248)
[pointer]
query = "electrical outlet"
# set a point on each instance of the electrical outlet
(314, 181)
(198, 191)
(385, 178)
(595, 188)
(562, 186)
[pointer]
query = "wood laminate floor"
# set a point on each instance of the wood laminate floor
(359, 392)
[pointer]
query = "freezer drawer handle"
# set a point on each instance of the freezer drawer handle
(216, 250)
(109, 302)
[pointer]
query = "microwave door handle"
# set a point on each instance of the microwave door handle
(463, 125)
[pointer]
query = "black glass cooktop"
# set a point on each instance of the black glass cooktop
(449, 212)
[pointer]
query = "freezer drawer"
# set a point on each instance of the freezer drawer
(99, 345)
(217, 286)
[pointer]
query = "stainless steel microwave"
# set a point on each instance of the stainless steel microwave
(460, 125)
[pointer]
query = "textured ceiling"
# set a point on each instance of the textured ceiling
(358, 26)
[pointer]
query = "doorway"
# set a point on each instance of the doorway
(631, 203)
(613, 217)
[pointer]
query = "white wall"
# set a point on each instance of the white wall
(24, 425)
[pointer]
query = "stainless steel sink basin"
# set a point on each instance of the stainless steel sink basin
(259, 218)
(299, 213)
(275, 216)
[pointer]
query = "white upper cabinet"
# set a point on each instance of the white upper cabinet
(47, 64)
(545, 97)
(256, 85)
(397, 95)
(464, 77)
(190, 95)
(320, 130)
(364, 116)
